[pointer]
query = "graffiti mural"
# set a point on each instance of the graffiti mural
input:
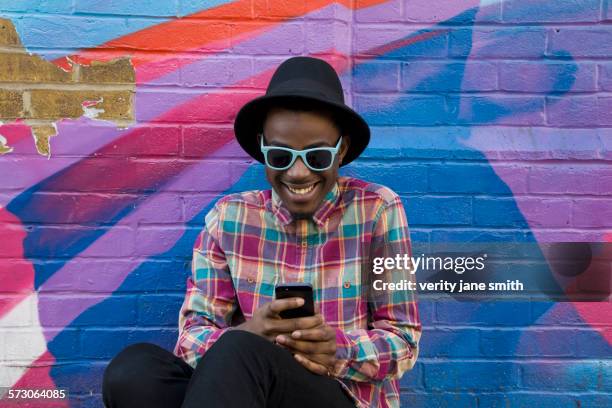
(492, 120)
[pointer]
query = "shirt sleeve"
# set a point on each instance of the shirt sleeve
(210, 300)
(389, 346)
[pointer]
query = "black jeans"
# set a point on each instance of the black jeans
(240, 370)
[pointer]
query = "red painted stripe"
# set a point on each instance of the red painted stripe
(209, 29)
(16, 274)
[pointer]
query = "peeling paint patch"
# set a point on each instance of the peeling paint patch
(89, 108)
(41, 93)
(4, 147)
(41, 135)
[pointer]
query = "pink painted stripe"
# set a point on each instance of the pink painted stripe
(16, 273)
(37, 376)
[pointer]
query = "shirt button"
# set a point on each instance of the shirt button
(347, 284)
(250, 280)
(304, 244)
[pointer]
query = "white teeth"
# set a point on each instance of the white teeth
(301, 190)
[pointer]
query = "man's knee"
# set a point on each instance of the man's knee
(126, 370)
(235, 340)
(241, 348)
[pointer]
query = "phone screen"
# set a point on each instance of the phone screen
(302, 290)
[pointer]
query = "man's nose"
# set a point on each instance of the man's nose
(298, 169)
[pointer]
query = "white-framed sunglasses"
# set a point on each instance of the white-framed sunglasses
(316, 158)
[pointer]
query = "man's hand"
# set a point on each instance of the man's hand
(314, 348)
(266, 321)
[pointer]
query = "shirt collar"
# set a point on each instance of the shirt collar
(319, 217)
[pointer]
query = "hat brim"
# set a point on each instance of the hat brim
(250, 118)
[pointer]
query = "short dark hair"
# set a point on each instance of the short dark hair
(306, 105)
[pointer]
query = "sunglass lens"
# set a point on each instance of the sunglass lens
(279, 158)
(319, 159)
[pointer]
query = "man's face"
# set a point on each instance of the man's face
(301, 189)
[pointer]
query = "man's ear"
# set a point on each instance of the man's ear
(344, 146)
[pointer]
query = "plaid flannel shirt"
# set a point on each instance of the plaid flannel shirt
(250, 243)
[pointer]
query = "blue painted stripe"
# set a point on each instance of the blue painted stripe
(77, 31)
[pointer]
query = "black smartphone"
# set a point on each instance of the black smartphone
(298, 289)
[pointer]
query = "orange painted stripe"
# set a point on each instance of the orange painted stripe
(197, 31)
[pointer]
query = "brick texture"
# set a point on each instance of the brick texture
(491, 119)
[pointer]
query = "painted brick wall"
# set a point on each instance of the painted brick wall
(492, 120)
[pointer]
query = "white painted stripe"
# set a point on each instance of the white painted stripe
(21, 341)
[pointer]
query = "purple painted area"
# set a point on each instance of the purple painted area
(285, 39)
(500, 110)
(74, 139)
(581, 42)
(585, 208)
(422, 11)
(387, 12)
(537, 143)
(370, 37)
(546, 212)
(151, 103)
(515, 176)
(216, 72)
(571, 179)
(425, 76)
(523, 42)
(572, 111)
(568, 182)
(534, 77)
(367, 37)
(579, 111)
(158, 240)
(604, 109)
(605, 135)
(328, 35)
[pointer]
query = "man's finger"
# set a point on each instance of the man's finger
(316, 334)
(306, 347)
(299, 323)
(278, 305)
(311, 365)
(323, 359)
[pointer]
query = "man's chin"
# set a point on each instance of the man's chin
(301, 210)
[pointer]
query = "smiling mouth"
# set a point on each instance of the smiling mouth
(301, 191)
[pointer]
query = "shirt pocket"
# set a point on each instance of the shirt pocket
(351, 289)
(254, 282)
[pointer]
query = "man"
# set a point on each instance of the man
(234, 349)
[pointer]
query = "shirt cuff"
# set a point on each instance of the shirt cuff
(344, 354)
(215, 336)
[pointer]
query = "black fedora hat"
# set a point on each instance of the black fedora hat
(302, 79)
